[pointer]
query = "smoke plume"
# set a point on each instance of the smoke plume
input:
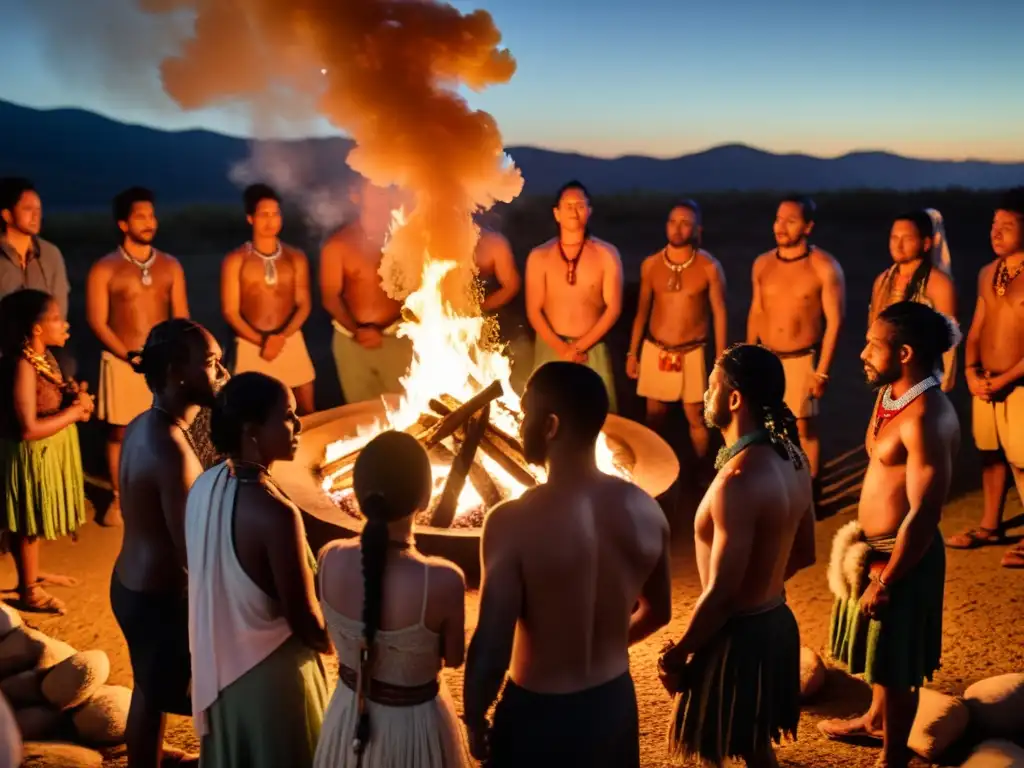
(383, 71)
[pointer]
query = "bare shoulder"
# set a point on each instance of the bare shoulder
(446, 575)
(643, 507)
(539, 252)
(234, 257)
(649, 263)
(104, 265)
(711, 265)
(293, 253)
(606, 248)
(493, 240)
(986, 276)
(761, 261)
(824, 262)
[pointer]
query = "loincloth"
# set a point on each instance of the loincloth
(293, 367)
(672, 373)
(741, 692)
(799, 367)
(902, 646)
(123, 394)
(597, 727)
(155, 629)
(599, 360)
(990, 425)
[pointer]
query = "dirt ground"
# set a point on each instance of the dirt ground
(983, 609)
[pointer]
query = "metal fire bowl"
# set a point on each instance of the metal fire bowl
(654, 468)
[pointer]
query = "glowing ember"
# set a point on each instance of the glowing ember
(451, 356)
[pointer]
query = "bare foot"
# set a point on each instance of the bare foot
(176, 758)
(38, 600)
(57, 580)
(855, 728)
(112, 517)
(1014, 556)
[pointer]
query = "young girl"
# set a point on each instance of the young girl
(43, 484)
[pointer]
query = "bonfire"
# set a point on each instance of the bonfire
(459, 404)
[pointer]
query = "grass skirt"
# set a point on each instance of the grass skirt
(902, 648)
(742, 691)
(43, 485)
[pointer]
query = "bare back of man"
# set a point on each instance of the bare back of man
(776, 500)
(369, 356)
(599, 543)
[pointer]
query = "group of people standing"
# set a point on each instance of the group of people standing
(226, 611)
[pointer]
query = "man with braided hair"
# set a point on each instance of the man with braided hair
(888, 566)
(181, 363)
(735, 673)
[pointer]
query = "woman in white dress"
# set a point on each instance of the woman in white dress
(396, 617)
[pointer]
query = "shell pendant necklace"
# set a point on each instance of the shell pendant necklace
(675, 279)
(143, 266)
(269, 262)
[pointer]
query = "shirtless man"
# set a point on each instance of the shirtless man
(181, 363)
(369, 356)
(898, 576)
(574, 290)
(753, 530)
(797, 311)
(917, 275)
(569, 698)
(679, 285)
(995, 376)
(264, 295)
(127, 293)
(501, 282)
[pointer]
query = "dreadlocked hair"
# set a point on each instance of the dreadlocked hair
(757, 374)
(167, 344)
(391, 480)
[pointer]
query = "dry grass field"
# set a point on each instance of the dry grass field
(983, 602)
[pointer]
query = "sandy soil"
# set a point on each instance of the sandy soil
(984, 604)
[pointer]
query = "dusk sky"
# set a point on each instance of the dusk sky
(928, 79)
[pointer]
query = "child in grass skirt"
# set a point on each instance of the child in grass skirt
(43, 491)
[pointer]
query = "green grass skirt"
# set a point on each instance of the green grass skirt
(43, 485)
(742, 690)
(903, 646)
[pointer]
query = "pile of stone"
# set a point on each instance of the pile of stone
(59, 695)
(988, 715)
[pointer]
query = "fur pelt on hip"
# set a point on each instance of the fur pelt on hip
(847, 568)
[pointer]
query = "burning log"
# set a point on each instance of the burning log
(444, 513)
(345, 463)
(479, 477)
(503, 450)
(429, 430)
(513, 442)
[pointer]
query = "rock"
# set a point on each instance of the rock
(940, 722)
(10, 619)
(812, 673)
(25, 648)
(37, 723)
(57, 755)
(76, 679)
(997, 705)
(103, 718)
(996, 753)
(24, 689)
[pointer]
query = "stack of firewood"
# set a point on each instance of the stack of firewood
(59, 694)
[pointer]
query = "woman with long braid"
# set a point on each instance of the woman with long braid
(735, 673)
(393, 635)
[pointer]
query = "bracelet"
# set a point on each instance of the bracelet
(630, 354)
(882, 584)
(820, 376)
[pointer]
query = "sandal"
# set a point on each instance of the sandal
(38, 600)
(1014, 556)
(976, 537)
